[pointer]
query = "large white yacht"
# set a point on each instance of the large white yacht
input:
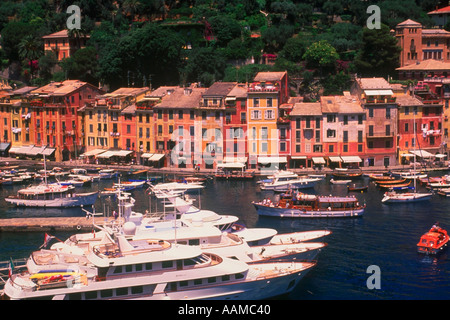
(151, 269)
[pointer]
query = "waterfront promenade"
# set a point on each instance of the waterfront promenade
(190, 171)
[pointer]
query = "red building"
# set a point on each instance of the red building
(54, 110)
(235, 125)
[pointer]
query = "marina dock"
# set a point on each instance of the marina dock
(48, 224)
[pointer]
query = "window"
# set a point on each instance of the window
(255, 102)
(282, 146)
(269, 102)
(180, 114)
(331, 118)
(360, 136)
(170, 114)
(331, 133)
(297, 123)
(264, 147)
(370, 113)
(264, 133)
(256, 115)
(345, 138)
(388, 113)
(345, 120)
(269, 114)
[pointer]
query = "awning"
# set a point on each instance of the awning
(156, 157)
(14, 149)
(234, 165)
(386, 92)
(35, 151)
(114, 153)
(439, 155)
(235, 159)
(147, 155)
(272, 159)
(4, 146)
(335, 159)
(91, 153)
(318, 160)
(351, 159)
(107, 154)
(48, 151)
(24, 150)
(422, 153)
(406, 155)
(298, 157)
(123, 153)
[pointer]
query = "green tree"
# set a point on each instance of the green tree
(379, 54)
(294, 49)
(82, 65)
(321, 54)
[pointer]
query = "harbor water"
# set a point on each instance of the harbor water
(384, 239)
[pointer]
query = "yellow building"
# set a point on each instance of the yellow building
(265, 95)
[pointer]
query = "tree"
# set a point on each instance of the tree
(294, 49)
(82, 65)
(321, 54)
(379, 54)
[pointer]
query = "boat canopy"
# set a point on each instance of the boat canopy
(336, 199)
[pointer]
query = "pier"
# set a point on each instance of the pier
(49, 224)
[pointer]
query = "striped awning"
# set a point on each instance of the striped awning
(351, 159)
(318, 160)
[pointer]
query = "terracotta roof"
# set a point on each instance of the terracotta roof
(130, 109)
(220, 89)
(409, 22)
(60, 88)
(407, 100)
(434, 32)
(440, 11)
(24, 90)
(126, 92)
(182, 98)
(341, 104)
(306, 109)
(269, 76)
(373, 83)
(239, 91)
(427, 65)
(162, 91)
(60, 34)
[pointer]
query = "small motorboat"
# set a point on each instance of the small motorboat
(357, 188)
(339, 181)
(434, 241)
(444, 192)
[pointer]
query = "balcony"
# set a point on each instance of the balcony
(114, 134)
(371, 100)
(283, 120)
(380, 134)
(263, 87)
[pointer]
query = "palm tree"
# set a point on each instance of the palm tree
(31, 49)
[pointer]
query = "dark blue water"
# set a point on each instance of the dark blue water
(386, 236)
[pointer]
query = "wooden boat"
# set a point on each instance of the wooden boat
(434, 241)
(302, 205)
(357, 188)
(346, 174)
(387, 186)
(392, 182)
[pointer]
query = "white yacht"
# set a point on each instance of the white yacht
(52, 196)
(152, 270)
(178, 187)
(285, 180)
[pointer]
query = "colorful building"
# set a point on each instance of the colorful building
(419, 44)
(306, 134)
(343, 130)
(62, 45)
(178, 132)
(265, 95)
(235, 125)
(54, 114)
(378, 101)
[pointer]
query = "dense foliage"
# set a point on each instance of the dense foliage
(160, 42)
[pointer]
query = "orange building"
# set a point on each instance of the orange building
(62, 45)
(54, 115)
(419, 44)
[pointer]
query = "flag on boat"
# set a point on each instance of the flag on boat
(10, 267)
(47, 239)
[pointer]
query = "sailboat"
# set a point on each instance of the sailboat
(393, 196)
